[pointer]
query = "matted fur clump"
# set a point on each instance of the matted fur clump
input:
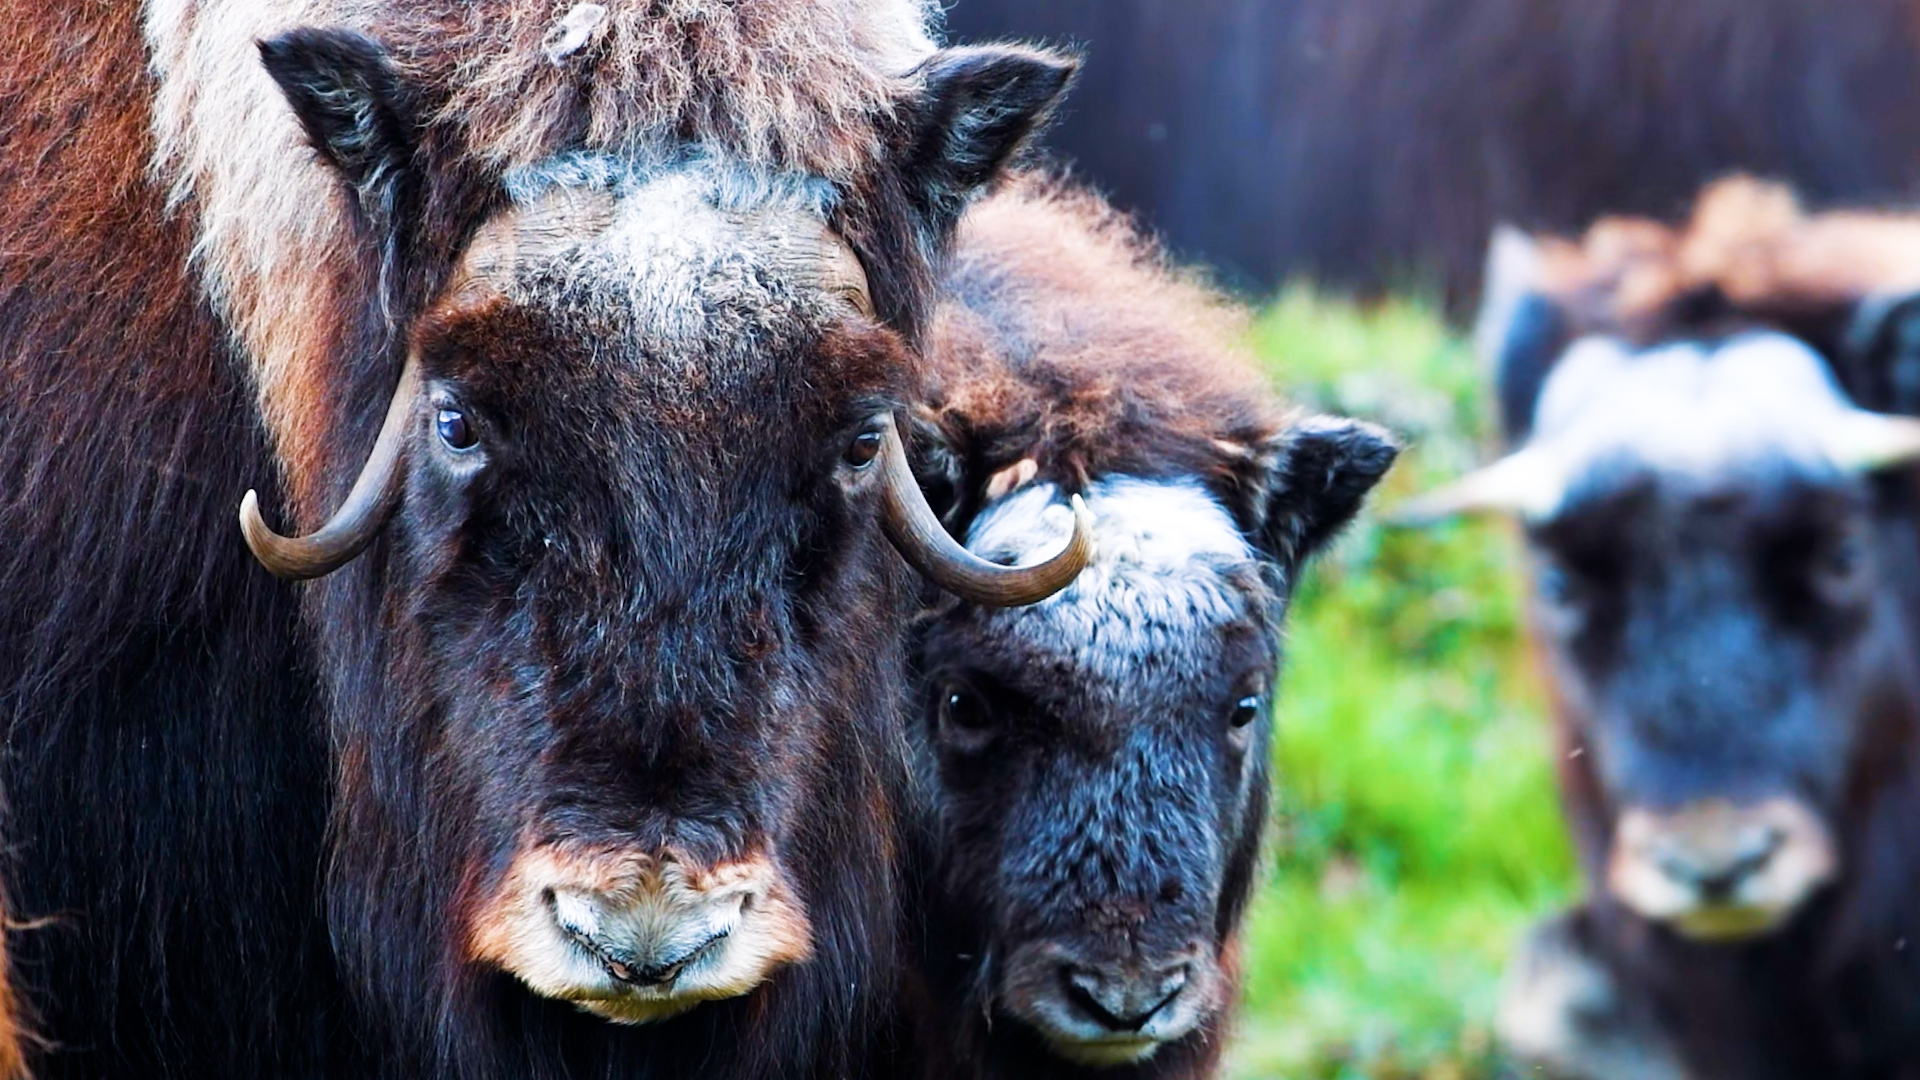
(1749, 251)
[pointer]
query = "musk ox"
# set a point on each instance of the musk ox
(1725, 544)
(572, 339)
(1370, 141)
(1101, 758)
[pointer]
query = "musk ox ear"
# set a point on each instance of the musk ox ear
(355, 109)
(1318, 472)
(1879, 361)
(978, 105)
(1520, 330)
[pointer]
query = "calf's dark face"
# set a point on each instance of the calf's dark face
(638, 597)
(1102, 755)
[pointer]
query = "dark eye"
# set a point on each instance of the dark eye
(1555, 585)
(454, 430)
(1840, 566)
(962, 711)
(1245, 711)
(864, 447)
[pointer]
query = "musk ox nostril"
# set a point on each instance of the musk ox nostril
(1717, 876)
(1120, 1002)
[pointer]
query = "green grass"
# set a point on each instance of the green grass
(1417, 832)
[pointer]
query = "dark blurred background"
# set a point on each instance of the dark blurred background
(1373, 143)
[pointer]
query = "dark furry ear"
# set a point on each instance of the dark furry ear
(1879, 361)
(978, 105)
(1520, 331)
(1318, 473)
(355, 109)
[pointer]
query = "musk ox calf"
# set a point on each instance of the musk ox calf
(1725, 548)
(1102, 757)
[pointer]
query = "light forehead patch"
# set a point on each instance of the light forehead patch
(688, 248)
(1164, 551)
(1690, 408)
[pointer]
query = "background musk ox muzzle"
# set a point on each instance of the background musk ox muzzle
(635, 489)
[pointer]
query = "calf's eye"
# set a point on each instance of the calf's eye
(962, 710)
(454, 430)
(864, 448)
(1245, 711)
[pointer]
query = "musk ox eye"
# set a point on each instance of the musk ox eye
(962, 711)
(1245, 711)
(454, 430)
(1839, 569)
(864, 448)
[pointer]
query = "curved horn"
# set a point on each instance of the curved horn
(1867, 441)
(368, 507)
(1529, 481)
(914, 530)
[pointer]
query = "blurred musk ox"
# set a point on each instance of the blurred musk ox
(1720, 506)
(1101, 757)
(1364, 141)
(591, 710)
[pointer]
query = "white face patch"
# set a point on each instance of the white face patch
(1689, 409)
(1163, 550)
(698, 249)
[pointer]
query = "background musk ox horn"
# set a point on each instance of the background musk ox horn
(1866, 441)
(918, 534)
(368, 507)
(1529, 481)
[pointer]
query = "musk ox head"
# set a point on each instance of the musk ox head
(1718, 569)
(617, 663)
(1102, 755)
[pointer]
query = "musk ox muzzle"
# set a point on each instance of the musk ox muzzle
(637, 936)
(1715, 870)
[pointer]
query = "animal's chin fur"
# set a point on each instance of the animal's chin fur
(1104, 1054)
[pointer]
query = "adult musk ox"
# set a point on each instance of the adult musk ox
(571, 340)
(1366, 140)
(1726, 550)
(1101, 758)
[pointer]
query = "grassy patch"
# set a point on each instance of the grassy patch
(1418, 832)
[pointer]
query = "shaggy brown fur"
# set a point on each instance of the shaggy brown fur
(810, 87)
(15, 1035)
(1748, 254)
(1748, 248)
(762, 79)
(1145, 374)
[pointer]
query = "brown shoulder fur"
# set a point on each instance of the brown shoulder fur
(1064, 336)
(13, 1031)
